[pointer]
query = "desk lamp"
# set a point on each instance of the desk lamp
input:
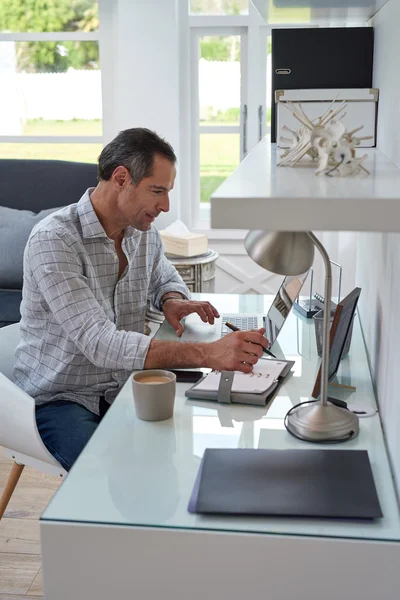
(292, 253)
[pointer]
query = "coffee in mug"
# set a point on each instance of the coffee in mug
(153, 379)
(154, 394)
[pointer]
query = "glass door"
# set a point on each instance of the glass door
(219, 108)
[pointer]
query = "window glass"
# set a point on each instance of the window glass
(53, 88)
(37, 16)
(219, 80)
(219, 157)
(282, 11)
(74, 152)
(219, 7)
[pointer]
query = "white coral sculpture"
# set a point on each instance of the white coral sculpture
(325, 139)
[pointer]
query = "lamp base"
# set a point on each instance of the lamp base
(318, 423)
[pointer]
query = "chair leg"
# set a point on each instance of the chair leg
(9, 488)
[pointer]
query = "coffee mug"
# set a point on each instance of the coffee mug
(154, 394)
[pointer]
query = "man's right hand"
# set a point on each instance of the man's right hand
(237, 351)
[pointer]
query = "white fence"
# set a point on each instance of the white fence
(219, 85)
(77, 94)
(63, 96)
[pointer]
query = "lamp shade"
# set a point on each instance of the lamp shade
(282, 252)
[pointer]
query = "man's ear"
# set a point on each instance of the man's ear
(121, 177)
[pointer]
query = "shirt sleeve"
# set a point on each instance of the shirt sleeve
(165, 278)
(58, 274)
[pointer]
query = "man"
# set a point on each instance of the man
(88, 271)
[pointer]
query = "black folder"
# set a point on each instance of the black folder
(298, 483)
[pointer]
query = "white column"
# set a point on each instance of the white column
(141, 54)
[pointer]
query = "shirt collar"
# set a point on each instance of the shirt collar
(91, 226)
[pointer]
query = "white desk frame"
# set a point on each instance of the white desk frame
(188, 557)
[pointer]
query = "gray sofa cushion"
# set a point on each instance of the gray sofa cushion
(10, 301)
(15, 227)
(41, 184)
(33, 185)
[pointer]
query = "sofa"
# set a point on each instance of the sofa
(29, 191)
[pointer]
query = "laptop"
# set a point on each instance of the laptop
(197, 331)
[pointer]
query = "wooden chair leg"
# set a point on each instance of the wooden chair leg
(9, 488)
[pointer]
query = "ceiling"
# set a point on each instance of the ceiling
(326, 12)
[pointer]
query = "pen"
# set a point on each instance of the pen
(234, 328)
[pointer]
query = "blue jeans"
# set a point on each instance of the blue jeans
(65, 428)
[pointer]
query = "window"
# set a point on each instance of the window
(219, 103)
(219, 7)
(49, 65)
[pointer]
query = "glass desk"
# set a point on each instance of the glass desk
(124, 504)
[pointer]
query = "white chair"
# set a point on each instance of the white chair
(18, 431)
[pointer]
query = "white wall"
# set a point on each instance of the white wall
(378, 264)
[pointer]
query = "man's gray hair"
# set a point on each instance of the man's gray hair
(135, 150)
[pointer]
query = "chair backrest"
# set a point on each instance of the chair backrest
(9, 339)
(18, 430)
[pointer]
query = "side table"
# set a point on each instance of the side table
(198, 272)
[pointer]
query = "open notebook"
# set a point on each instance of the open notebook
(256, 387)
(261, 379)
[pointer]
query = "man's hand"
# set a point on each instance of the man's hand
(237, 351)
(175, 309)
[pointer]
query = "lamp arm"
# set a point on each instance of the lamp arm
(326, 321)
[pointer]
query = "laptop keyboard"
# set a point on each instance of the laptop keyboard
(242, 322)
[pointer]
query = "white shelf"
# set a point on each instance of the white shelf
(260, 195)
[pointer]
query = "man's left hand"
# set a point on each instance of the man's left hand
(175, 309)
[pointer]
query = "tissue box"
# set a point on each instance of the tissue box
(191, 244)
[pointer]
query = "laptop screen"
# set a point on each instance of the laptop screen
(282, 305)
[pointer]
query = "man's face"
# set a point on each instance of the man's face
(142, 203)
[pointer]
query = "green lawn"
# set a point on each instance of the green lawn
(219, 156)
(73, 152)
(288, 15)
(219, 153)
(74, 127)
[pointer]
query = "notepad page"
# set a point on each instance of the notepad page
(263, 376)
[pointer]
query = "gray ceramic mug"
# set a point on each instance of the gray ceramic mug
(154, 394)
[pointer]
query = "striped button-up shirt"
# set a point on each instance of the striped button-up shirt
(81, 326)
